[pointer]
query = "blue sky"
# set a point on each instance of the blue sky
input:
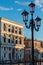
(12, 9)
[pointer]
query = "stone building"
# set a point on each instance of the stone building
(38, 50)
(27, 49)
(11, 38)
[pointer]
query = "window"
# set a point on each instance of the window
(8, 28)
(16, 30)
(20, 55)
(29, 43)
(9, 48)
(20, 31)
(16, 49)
(9, 56)
(8, 25)
(42, 55)
(35, 44)
(16, 41)
(15, 27)
(12, 29)
(13, 53)
(8, 40)
(4, 38)
(17, 57)
(20, 40)
(9, 36)
(12, 39)
(4, 48)
(42, 44)
(4, 27)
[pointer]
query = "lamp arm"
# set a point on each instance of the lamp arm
(27, 26)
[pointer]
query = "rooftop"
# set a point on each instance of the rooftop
(10, 21)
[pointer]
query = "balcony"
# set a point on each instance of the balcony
(19, 46)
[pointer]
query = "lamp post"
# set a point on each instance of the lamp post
(33, 24)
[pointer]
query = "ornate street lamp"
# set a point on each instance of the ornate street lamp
(32, 7)
(33, 24)
(25, 16)
(38, 23)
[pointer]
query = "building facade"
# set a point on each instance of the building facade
(13, 45)
(38, 50)
(11, 38)
(27, 49)
(38, 45)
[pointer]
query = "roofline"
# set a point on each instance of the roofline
(11, 21)
(34, 40)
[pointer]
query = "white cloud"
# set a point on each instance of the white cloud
(22, 3)
(39, 3)
(19, 9)
(17, 2)
(5, 9)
